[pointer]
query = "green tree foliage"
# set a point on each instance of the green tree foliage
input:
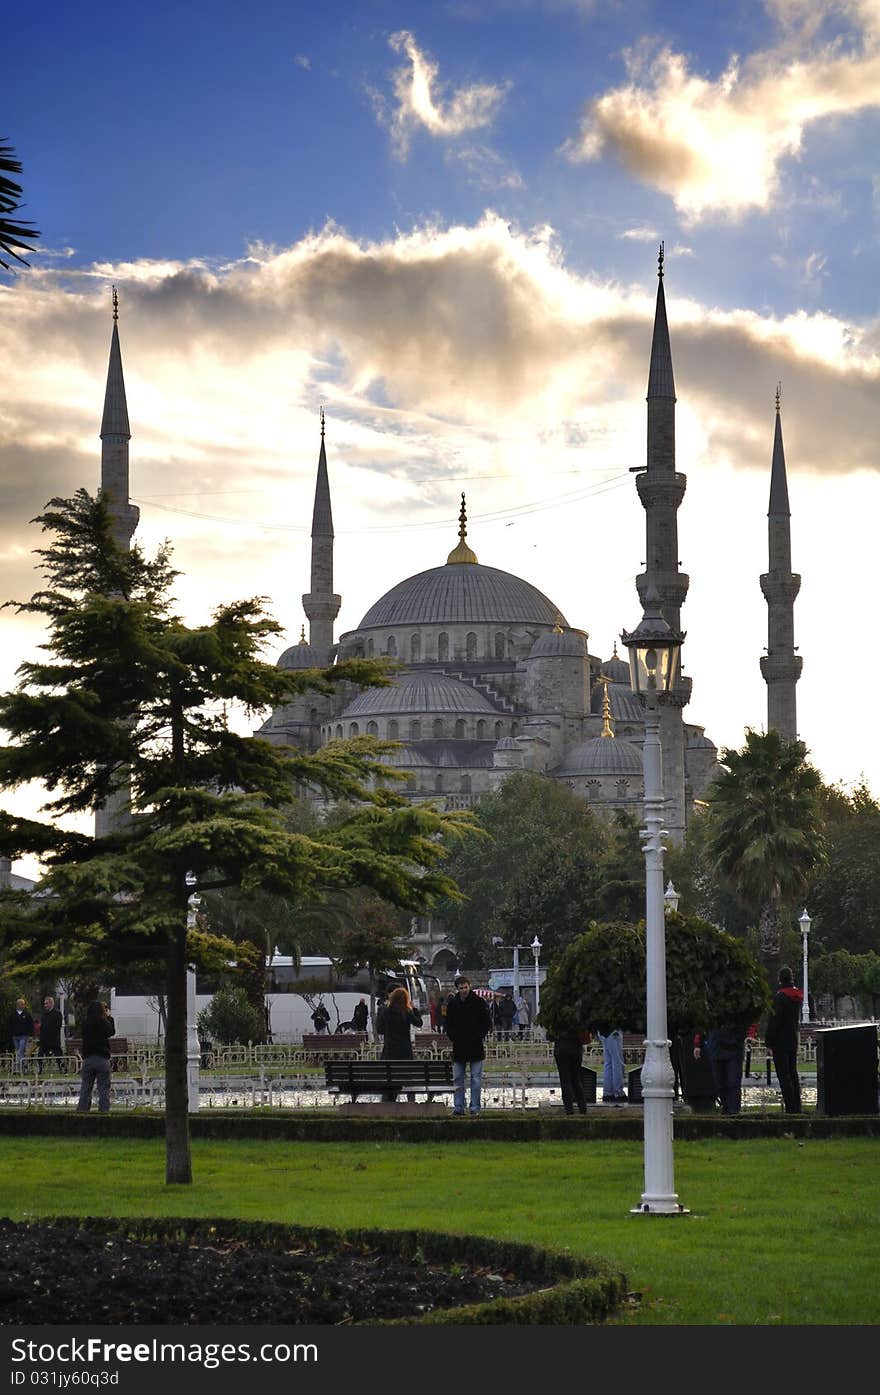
(231, 1019)
(844, 895)
(547, 867)
(598, 982)
(130, 699)
(703, 892)
(840, 974)
(371, 939)
(765, 835)
(13, 233)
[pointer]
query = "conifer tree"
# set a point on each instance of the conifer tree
(129, 698)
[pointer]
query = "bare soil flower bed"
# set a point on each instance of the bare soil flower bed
(53, 1272)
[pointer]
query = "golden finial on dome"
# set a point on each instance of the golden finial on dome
(607, 729)
(302, 634)
(557, 628)
(461, 552)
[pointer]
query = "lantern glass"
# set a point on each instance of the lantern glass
(653, 667)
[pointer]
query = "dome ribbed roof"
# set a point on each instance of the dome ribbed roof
(430, 693)
(616, 669)
(300, 655)
(568, 644)
(625, 706)
(462, 594)
(602, 755)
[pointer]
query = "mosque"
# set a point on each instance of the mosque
(494, 678)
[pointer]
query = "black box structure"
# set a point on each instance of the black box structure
(846, 1069)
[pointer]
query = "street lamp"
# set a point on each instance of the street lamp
(193, 1051)
(671, 898)
(805, 922)
(536, 951)
(653, 663)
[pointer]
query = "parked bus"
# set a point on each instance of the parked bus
(292, 994)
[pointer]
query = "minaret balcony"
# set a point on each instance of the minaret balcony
(781, 668)
(672, 587)
(780, 589)
(660, 491)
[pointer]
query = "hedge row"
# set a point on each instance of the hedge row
(572, 1290)
(311, 1127)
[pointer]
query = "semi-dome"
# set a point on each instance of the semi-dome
(419, 692)
(559, 644)
(465, 593)
(602, 755)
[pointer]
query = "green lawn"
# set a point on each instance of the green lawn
(781, 1232)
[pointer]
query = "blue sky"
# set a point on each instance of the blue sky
(441, 221)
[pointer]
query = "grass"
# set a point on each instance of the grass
(781, 1232)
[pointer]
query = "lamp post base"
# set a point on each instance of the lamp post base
(659, 1206)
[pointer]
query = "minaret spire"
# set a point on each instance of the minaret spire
(781, 666)
(115, 436)
(661, 490)
(320, 603)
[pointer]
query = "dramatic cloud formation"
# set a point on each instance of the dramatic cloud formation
(419, 103)
(717, 146)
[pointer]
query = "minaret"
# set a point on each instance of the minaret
(321, 605)
(781, 666)
(115, 436)
(661, 491)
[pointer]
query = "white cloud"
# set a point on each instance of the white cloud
(302, 60)
(717, 146)
(420, 105)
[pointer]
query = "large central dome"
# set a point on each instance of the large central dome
(462, 594)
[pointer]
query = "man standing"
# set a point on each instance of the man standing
(50, 1032)
(726, 1047)
(360, 1016)
(468, 1023)
(612, 1067)
(21, 1029)
(783, 1039)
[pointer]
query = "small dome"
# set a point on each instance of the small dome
(565, 644)
(430, 693)
(602, 755)
(507, 743)
(616, 669)
(696, 739)
(300, 655)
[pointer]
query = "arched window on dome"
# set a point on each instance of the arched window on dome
(471, 646)
(514, 728)
(338, 732)
(443, 648)
(438, 728)
(415, 649)
(500, 646)
(393, 730)
(369, 649)
(391, 647)
(465, 784)
(438, 784)
(459, 729)
(499, 731)
(622, 789)
(593, 789)
(313, 716)
(372, 729)
(354, 729)
(415, 730)
(481, 729)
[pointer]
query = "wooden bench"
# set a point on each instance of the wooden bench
(118, 1051)
(322, 1042)
(388, 1077)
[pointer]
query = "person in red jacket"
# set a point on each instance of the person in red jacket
(782, 1037)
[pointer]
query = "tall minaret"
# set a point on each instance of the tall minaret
(661, 491)
(781, 666)
(115, 436)
(320, 604)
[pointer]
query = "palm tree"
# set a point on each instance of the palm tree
(765, 835)
(12, 233)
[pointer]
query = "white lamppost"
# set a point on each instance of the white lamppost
(536, 951)
(805, 922)
(193, 1052)
(653, 661)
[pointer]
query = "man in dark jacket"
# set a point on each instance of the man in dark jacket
(783, 1039)
(468, 1023)
(98, 1030)
(50, 1032)
(20, 1029)
(726, 1048)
